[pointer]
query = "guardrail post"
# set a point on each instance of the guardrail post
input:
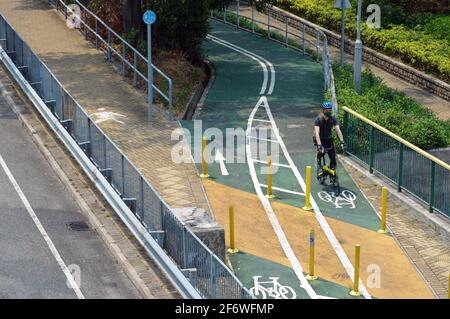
(213, 277)
(345, 125)
(432, 177)
(85, 24)
(141, 191)
(65, 9)
(89, 146)
(303, 39)
(184, 249)
(135, 68)
(161, 215)
(96, 34)
(170, 101)
(225, 14)
(123, 58)
(372, 148)
(109, 46)
(237, 13)
(253, 19)
(104, 151)
(400, 167)
(287, 31)
(317, 45)
(123, 174)
(268, 23)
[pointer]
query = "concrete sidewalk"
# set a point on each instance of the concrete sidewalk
(109, 100)
(438, 105)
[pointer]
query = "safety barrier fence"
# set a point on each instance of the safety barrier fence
(112, 171)
(410, 168)
(295, 33)
(117, 50)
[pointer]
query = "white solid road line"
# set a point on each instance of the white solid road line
(41, 229)
(248, 53)
(289, 252)
(266, 74)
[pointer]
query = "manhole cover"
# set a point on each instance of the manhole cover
(78, 226)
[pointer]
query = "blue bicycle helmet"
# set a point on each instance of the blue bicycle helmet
(327, 105)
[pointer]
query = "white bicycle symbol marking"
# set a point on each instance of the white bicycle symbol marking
(277, 290)
(345, 198)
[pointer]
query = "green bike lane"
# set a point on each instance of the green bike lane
(294, 103)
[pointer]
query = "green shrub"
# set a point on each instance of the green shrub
(391, 109)
(420, 40)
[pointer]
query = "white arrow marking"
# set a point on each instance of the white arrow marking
(219, 158)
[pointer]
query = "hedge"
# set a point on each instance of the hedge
(425, 46)
(391, 109)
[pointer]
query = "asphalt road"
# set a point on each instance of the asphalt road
(37, 248)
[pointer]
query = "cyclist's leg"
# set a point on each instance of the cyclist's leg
(332, 155)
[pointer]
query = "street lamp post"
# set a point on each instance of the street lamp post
(342, 4)
(149, 19)
(358, 53)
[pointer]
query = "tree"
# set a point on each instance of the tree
(132, 16)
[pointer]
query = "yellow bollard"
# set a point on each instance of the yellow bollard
(355, 292)
(269, 178)
(232, 248)
(204, 173)
(308, 189)
(311, 275)
(382, 229)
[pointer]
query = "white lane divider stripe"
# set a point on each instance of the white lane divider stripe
(318, 214)
(262, 139)
(297, 267)
(283, 190)
(274, 164)
(264, 67)
(269, 64)
(41, 229)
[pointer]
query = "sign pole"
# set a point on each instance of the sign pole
(343, 5)
(358, 53)
(342, 32)
(149, 19)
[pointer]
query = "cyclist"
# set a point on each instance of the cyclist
(323, 137)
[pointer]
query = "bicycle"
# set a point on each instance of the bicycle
(324, 172)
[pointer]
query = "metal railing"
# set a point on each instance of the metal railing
(116, 176)
(292, 32)
(132, 62)
(410, 168)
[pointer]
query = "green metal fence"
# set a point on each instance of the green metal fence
(410, 168)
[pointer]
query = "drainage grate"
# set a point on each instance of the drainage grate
(78, 226)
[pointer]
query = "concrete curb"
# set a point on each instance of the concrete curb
(93, 220)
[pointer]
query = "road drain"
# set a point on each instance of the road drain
(78, 226)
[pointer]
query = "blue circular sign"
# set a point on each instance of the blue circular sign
(149, 17)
